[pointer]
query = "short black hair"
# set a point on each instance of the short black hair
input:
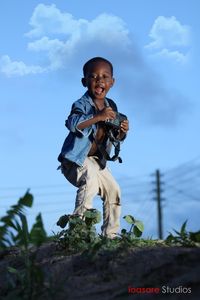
(93, 60)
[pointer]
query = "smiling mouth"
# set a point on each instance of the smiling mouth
(99, 90)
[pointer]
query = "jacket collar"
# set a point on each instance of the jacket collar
(89, 99)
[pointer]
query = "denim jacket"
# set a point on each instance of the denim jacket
(78, 142)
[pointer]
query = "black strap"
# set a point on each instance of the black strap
(115, 143)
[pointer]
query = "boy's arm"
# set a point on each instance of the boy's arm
(103, 115)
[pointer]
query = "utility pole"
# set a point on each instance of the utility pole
(159, 207)
(159, 199)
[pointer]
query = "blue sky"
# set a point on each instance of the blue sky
(154, 47)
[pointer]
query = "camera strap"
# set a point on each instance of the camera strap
(115, 143)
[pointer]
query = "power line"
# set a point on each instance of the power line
(142, 207)
(32, 187)
(40, 195)
(134, 184)
(44, 186)
(179, 191)
(37, 205)
(183, 173)
(132, 178)
(50, 212)
(182, 165)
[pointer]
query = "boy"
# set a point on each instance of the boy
(88, 145)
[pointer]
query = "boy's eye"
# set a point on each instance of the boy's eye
(92, 76)
(95, 77)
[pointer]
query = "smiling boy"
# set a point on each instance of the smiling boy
(83, 159)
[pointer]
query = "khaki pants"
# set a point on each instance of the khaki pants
(91, 180)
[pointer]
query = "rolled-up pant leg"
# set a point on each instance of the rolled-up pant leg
(86, 180)
(110, 194)
(91, 180)
(88, 186)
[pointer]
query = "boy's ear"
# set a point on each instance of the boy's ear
(83, 80)
(113, 81)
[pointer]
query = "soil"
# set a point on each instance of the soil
(158, 272)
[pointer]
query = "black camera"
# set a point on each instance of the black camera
(115, 123)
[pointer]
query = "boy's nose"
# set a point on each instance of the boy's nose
(99, 78)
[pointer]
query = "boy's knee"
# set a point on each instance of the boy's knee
(117, 191)
(118, 202)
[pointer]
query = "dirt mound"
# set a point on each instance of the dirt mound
(137, 273)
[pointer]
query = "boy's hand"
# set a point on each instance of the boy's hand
(124, 126)
(106, 114)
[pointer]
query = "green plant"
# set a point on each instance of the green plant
(14, 231)
(26, 283)
(11, 230)
(184, 237)
(81, 232)
(136, 228)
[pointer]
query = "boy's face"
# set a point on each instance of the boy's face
(98, 80)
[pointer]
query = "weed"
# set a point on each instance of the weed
(184, 237)
(81, 234)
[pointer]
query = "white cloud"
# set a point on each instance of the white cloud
(63, 42)
(168, 32)
(17, 68)
(75, 38)
(170, 38)
(174, 55)
(62, 39)
(54, 48)
(48, 19)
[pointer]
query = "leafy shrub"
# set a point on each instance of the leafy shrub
(81, 232)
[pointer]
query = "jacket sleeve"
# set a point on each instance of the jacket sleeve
(77, 115)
